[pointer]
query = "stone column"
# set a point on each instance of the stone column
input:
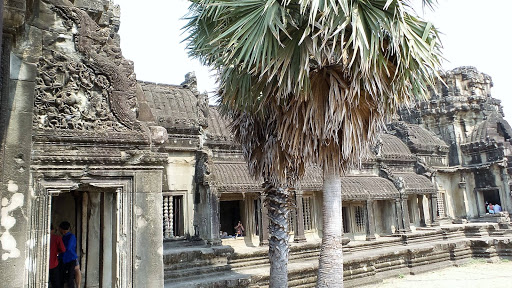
(264, 222)
(432, 199)
(421, 210)
(299, 218)
(402, 216)
(405, 213)
(505, 203)
(214, 221)
(370, 221)
(398, 217)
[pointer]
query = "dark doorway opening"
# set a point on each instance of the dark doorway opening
(178, 224)
(93, 219)
(492, 196)
(229, 216)
(257, 216)
(346, 220)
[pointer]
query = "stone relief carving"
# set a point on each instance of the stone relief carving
(96, 92)
(70, 95)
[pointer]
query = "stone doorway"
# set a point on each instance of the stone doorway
(229, 216)
(93, 218)
(492, 196)
(178, 224)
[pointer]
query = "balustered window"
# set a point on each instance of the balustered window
(306, 206)
(441, 212)
(359, 218)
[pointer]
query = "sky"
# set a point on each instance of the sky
(474, 33)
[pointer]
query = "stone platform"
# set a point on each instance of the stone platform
(365, 262)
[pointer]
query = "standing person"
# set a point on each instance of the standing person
(69, 257)
(239, 228)
(56, 247)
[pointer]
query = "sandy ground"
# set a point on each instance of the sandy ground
(475, 274)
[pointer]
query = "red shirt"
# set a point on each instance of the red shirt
(56, 247)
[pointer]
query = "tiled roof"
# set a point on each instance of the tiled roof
(365, 187)
(394, 148)
(235, 178)
(172, 105)
(416, 184)
(418, 138)
(218, 127)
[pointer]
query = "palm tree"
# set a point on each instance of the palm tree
(321, 77)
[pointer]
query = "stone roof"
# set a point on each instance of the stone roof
(233, 177)
(218, 127)
(416, 184)
(394, 149)
(419, 139)
(367, 187)
(175, 106)
(494, 127)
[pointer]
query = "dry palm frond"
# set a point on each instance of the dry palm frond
(312, 80)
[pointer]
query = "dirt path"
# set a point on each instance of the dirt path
(475, 274)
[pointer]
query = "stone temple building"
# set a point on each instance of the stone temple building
(150, 178)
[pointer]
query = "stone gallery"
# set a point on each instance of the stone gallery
(153, 184)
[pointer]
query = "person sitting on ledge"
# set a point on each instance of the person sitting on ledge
(490, 208)
(497, 208)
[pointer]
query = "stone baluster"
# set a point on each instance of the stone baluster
(168, 217)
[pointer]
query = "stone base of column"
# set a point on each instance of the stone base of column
(214, 242)
(402, 231)
(297, 239)
(370, 238)
(264, 243)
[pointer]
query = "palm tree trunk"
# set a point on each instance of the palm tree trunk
(278, 210)
(330, 268)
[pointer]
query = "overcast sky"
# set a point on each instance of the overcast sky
(475, 33)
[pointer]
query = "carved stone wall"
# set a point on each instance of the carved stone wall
(69, 118)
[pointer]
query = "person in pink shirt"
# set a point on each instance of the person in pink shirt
(56, 247)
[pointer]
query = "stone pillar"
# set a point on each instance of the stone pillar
(370, 221)
(299, 218)
(505, 203)
(398, 217)
(402, 216)
(214, 219)
(432, 199)
(421, 209)
(264, 222)
(405, 213)
(16, 116)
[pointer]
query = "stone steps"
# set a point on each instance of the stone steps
(194, 264)
(371, 262)
(213, 280)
